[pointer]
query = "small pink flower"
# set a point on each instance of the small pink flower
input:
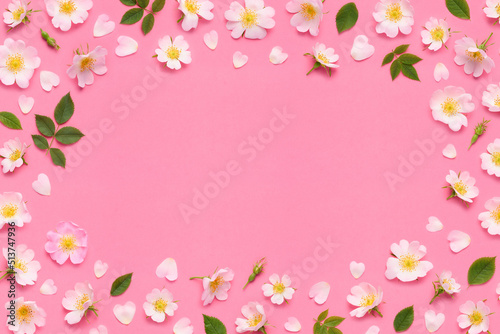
(450, 106)
(406, 263)
(255, 318)
(393, 16)
(251, 20)
(491, 219)
(490, 162)
(473, 56)
(475, 317)
(159, 305)
(17, 63)
(66, 12)
(279, 290)
(13, 154)
(78, 302)
(28, 316)
(25, 269)
(67, 241)
(307, 15)
(217, 286)
(366, 297)
(85, 65)
(13, 209)
(436, 33)
(462, 185)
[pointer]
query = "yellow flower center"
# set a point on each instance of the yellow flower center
(408, 262)
(497, 101)
(475, 56)
(476, 318)
(279, 288)
(192, 6)
(15, 155)
(21, 265)
(68, 243)
(81, 301)
(160, 305)
(367, 300)
(322, 58)
(216, 283)
(495, 157)
(394, 12)
(173, 53)
(67, 7)
(9, 210)
(86, 64)
(24, 314)
(15, 63)
(248, 18)
(308, 11)
(450, 107)
(16, 15)
(255, 320)
(460, 188)
(497, 8)
(437, 34)
(495, 214)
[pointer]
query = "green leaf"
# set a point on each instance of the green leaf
(322, 316)
(401, 49)
(346, 17)
(459, 8)
(410, 72)
(333, 321)
(68, 135)
(148, 23)
(143, 3)
(10, 120)
(132, 16)
(213, 325)
(334, 330)
(64, 109)
(316, 328)
(40, 142)
(45, 125)
(388, 58)
(409, 59)
(121, 284)
(129, 2)
(395, 69)
(158, 5)
(58, 157)
(481, 270)
(404, 319)
(323, 330)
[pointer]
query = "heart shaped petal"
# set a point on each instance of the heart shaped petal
(42, 185)
(450, 151)
(126, 46)
(124, 313)
(441, 72)
(433, 321)
(183, 326)
(277, 56)
(498, 291)
(434, 224)
(357, 269)
(167, 269)
(99, 330)
(211, 39)
(239, 59)
(26, 103)
(100, 268)
(320, 292)
(458, 240)
(48, 287)
(103, 26)
(361, 49)
(49, 80)
(293, 325)
(373, 330)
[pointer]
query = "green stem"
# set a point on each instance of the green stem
(196, 277)
(378, 312)
(50, 145)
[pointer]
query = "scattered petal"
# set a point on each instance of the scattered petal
(361, 49)
(357, 269)
(239, 59)
(277, 55)
(320, 292)
(26, 103)
(458, 240)
(441, 72)
(103, 26)
(293, 325)
(211, 39)
(100, 268)
(126, 46)
(434, 225)
(167, 269)
(124, 313)
(49, 80)
(42, 185)
(183, 326)
(433, 321)
(99, 330)
(373, 330)
(48, 287)
(450, 151)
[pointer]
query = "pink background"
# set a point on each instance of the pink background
(321, 177)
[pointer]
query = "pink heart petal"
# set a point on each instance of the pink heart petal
(458, 240)
(319, 292)
(49, 80)
(277, 55)
(357, 269)
(126, 46)
(99, 330)
(361, 49)
(103, 26)
(239, 59)
(100, 268)
(42, 185)
(26, 103)
(211, 39)
(167, 269)
(124, 313)
(434, 224)
(293, 325)
(183, 326)
(48, 288)
(433, 321)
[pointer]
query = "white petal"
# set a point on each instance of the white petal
(99, 330)
(124, 313)
(277, 56)
(441, 72)
(433, 321)
(126, 46)
(498, 291)
(361, 49)
(100, 268)
(26, 103)
(211, 39)
(450, 151)
(183, 326)
(434, 225)
(293, 325)
(239, 59)
(48, 288)
(458, 240)
(42, 185)
(357, 269)
(103, 26)
(49, 80)
(373, 330)
(168, 269)
(320, 292)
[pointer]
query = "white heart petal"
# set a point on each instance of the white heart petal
(211, 39)
(450, 151)
(434, 224)
(49, 80)
(239, 59)
(320, 292)
(48, 288)
(126, 46)
(183, 326)
(103, 26)
(124, 313)
(277, 56)
(441, 72)
(361, 49)
(498, 291)
(26, 103)
(42, 185)
(357, 269)
(99, 330)
(433, 321)
(100, 268)
(168, 269)
(458, 240)
(373, 330)
(293, 325)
